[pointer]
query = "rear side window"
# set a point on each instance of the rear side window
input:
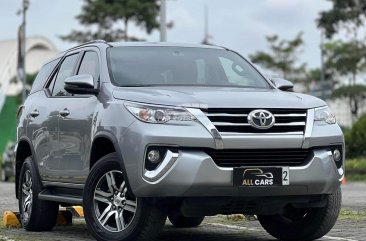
(42, 76)
(65, 71)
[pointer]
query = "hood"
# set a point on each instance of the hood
(217, 97)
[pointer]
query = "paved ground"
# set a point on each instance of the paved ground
(216, 228)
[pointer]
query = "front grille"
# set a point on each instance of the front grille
(259, 157)
(235, 120)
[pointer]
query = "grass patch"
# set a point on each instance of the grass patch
(356, 169)
(352, 215)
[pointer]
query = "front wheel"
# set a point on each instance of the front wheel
(111, 210)
(303, 224)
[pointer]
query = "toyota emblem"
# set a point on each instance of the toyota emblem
(261, 119)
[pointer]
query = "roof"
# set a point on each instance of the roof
(162, 44)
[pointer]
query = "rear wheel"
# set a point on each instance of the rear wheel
(111, 210)
(303, 224)
(35, 214)
(180, 221)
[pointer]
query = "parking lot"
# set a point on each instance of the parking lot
(350, 227)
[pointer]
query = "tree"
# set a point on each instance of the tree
(282, 57)
(356, 95)
(345, 14)
(104, 18)
(345, 58)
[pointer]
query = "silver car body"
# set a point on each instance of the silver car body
(62, 146)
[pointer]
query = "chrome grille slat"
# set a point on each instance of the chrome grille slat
(289, 115)
(235, 121)
(225, 114)
(290, 124)
(230, 124)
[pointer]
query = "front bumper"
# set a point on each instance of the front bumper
(194, 174)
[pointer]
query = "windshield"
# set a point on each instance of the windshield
(155, 66)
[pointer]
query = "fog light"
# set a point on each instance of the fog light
(153, 156)
(337, 155)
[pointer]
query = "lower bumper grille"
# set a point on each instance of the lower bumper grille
(259, 157)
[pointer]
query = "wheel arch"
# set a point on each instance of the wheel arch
(105, 137)
(24, 149)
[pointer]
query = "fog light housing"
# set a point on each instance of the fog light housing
(337, 155)
(153, 156)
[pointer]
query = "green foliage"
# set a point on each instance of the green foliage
(356, 139)
(8, 122)
(282, 57)
(356, 169)
(345, 14)
(103, 19)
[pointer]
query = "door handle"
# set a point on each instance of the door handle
(34, 113)
(65, 112)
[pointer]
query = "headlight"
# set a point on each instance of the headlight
(324, 116)
(158, 114)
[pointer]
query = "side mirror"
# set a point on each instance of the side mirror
(80, 84)
(283, 84)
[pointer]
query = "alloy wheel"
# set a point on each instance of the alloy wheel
(114, 206)
(27, 195)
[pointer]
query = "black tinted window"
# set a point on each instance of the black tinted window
(146, 66)
(43, 75)
(65, 71)
(90, 65)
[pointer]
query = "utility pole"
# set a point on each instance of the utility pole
(322, 67)
(22, 76)
(207, 36)
(163, 20)
(322, 74)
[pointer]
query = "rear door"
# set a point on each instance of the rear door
(42, 124)
(47, 138)
(75, 123)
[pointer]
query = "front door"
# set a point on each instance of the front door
(75, 125)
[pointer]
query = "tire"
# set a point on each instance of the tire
(180, 221)
(125, 218)
(35, 214)
(304, 224)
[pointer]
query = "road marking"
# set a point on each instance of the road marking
(338, 238)
(261, 230)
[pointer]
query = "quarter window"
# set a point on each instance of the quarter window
(43, 75)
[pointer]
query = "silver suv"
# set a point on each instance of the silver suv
(138, 132)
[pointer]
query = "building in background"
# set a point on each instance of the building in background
(38, 50)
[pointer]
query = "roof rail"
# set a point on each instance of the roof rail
(89, 42)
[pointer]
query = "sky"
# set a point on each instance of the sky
(240, 25)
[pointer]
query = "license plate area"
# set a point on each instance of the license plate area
(261, 176)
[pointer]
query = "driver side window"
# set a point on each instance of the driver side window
(66, 70)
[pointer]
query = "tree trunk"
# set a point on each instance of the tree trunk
(126, 29)
(354, 108)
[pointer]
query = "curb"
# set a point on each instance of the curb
(64, 217)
